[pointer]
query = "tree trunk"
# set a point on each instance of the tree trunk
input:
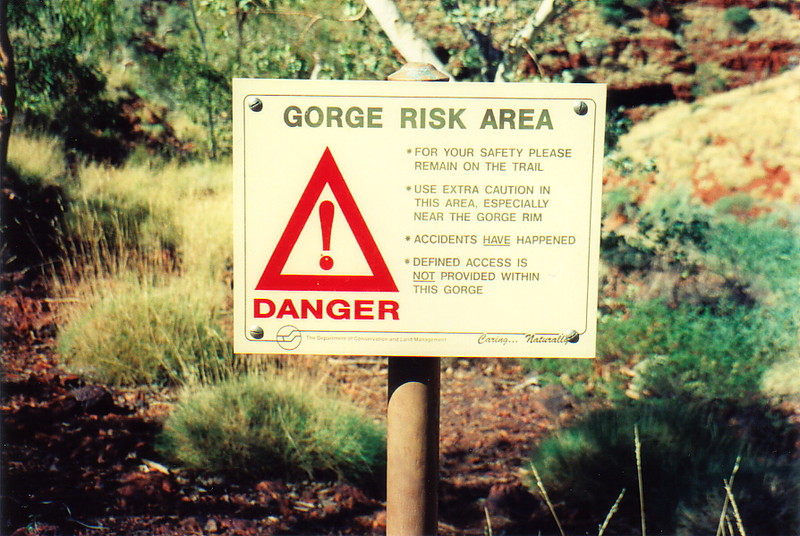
(520, 43)
(210, 111)
(402, 35)
(8, 86)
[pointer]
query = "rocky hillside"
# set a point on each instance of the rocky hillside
(740, 142)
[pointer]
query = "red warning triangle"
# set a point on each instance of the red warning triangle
(273, 278)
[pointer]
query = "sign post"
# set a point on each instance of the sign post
(412, 447)
(416, 219)
(412, 443)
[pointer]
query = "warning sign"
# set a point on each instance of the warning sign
(387, 218)
(274, 277)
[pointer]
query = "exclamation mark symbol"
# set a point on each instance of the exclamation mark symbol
(326, 210)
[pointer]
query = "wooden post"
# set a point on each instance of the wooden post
(412, 465)
(412, 470)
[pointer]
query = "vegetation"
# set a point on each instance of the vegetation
(618, 11)
(269, 426)
(674, 357)
(686, 454)
(140, 332)
(118, 186)
(739, 17)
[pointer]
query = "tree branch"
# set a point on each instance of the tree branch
(8, 86)
(521, 42)
(402, 35)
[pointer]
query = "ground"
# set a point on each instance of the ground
(79, 457)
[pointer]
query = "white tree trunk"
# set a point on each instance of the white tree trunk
(523, 37)
(402, 35)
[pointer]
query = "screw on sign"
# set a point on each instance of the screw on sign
(255, 104)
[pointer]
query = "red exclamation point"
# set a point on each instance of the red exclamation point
(326, 210)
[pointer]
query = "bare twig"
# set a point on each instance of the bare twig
(638, 444)
(723, 516)
(543, 491)
(358, 16)
(488, 522)
(308, 27)
(611, 513)
(533, 57)
(736, 515)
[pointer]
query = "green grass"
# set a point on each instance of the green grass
(143, 289)
(264, 425)
(686, 453)
(740, 19)
(134, 331)
(763, 252)
(709, 301)
(696, 352)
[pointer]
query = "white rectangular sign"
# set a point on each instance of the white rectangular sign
(417, 218)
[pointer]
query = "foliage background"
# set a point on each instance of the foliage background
(118, 191)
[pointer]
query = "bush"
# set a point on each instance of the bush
(782, 380)
(762, 251)
(739, 18)
(671, 231)
(261, 427)
(617, 125)
(696, 352)
(140, 332)
(686, 454)
(618, 12)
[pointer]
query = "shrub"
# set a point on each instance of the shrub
(672, 230)
(617, 125)
(762, 251)
(686, 454)
(136, 331)
(782, 380)
(698, 352)
(739, 18)
(259, 426)
(618, 12)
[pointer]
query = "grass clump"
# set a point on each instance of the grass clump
(264, 426)
(137, 331)
(38, 155)
(740, 19)
(145, 288)
(618, 12)
(695, 352)
(101, 232)
(686, 454)
(782, 380)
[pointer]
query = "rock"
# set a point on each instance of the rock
(552, 401)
